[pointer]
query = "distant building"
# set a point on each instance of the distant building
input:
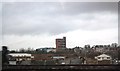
(47, 49)
(103, 59)
(98, 49)
(60, 44)
(58, 57)
(105, 48)
(114, 45)
(73, 60)
(19, 57)
(78, 49)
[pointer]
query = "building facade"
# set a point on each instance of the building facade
(60, 44)
(20, 58)
(103, 59)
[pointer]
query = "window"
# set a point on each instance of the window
(108, 57)
(99, 57)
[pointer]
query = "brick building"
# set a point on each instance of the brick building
(60, 44)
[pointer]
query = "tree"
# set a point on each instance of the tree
(87, 46)
(22, 50)
(4, 55)
(119, 54)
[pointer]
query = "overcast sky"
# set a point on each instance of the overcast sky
(38, 24)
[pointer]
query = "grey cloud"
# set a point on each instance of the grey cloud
(52, 18)
(89, 7)
(56, 8)
(60, 0)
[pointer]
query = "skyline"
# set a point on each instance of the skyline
(39, 24)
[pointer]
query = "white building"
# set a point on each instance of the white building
(58, 57)
(103, 57)
(21, 56)
(51, 50)
(47, 49)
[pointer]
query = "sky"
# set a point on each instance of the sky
(38, 24)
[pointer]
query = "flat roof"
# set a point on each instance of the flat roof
(19, 54)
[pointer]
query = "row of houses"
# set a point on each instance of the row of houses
(25, 58)
(104, 49)
(19, 58)
(95, 48)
